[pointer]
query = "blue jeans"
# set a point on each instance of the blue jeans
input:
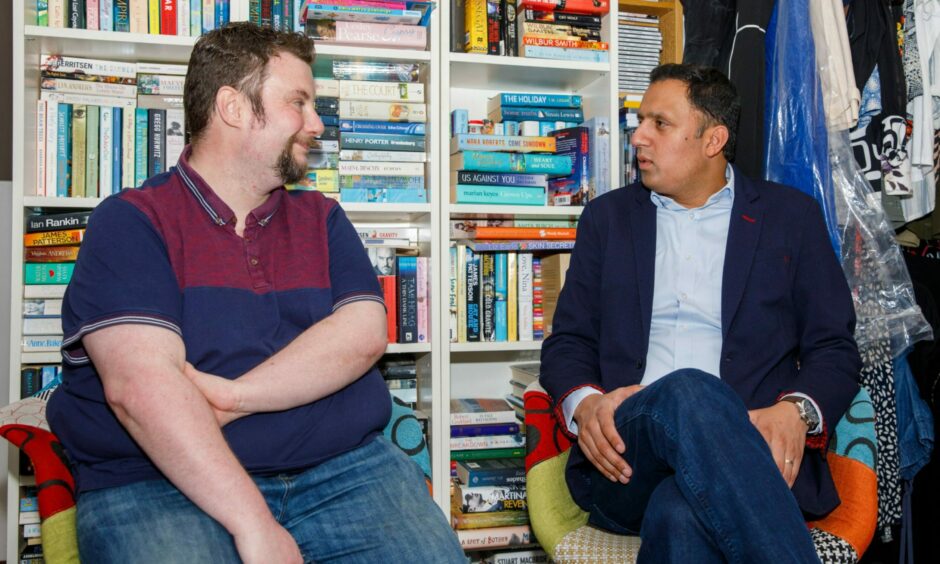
(705, 487)
(365, 506)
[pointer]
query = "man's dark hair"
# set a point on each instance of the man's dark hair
(711, 93)
(235, 55)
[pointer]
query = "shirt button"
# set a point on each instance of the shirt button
(253, 261)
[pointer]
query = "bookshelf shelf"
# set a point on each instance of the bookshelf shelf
(41, 357)
(387, 212)
(108, 45)
(529, 212)
(53, 202)
(646, 7)
(508, 73)
(346, 52)
(495, 347)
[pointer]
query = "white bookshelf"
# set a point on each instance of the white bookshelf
(31, 41)
(481, 369)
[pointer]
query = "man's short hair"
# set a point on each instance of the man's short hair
(235, 55)
(711, 93)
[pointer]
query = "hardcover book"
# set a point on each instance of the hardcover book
(480, 411)
(57, 221)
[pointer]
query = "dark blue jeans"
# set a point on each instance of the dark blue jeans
(369, 505)
(705, 487)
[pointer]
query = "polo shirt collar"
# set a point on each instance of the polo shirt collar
(218, 210)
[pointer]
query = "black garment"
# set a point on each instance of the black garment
(729, 35)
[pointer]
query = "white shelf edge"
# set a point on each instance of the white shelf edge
(393, 348)
(53, 357)
(546, 64)
(55, 202)
(37, 31)
(473, 210)
(496, 347)
(355, 52)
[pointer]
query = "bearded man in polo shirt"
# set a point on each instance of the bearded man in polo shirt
(220, 400)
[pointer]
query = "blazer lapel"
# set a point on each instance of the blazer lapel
(743, 235)
(643, 227)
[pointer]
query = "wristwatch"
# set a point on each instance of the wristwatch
(808, 412)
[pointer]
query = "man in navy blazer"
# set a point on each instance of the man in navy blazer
(702, 346)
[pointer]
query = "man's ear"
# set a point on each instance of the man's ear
(230, 107)
(716, 137)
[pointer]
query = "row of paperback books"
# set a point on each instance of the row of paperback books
(542, 29)
(374, 146)
(639, 48)
(29, 522)
(105, 125)
(371, 23)
(405, 282)
(401, 377)
(503, 296)
(51, 245)
(629, 169)
(157, 17)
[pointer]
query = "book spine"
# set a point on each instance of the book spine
(105, 151)
(496, 441)
(381, 91)
(522, 245)
(484, 430)
(473, 297)
(42, 13)
(86, 99)
(42, 307)
(460, 281)
(365, 33)
(367, 14)
(57, 13)
(64, 150)
(138, 16)
(480, 142)
(536, 114)
(383, 195)
(50, 254)
(167, 85)
(44, 290)
(487, 297)
(79, 127)
(407, 299)
(51, 141)
(565, 53)
(195, 18)
(381, 168)
(475, 27)
(154, 16)
(500, 300)
(423, 299)
(512, 297)
(156, 159)
(47, 273)
(487, 454)
(572, 101)
(591, 7)
(42, 326)
(471, 521)
(92, 155)
(76, 14)
(525, 296)
(92, 12)
(389, 289)
(502, 179)
(509, 28)
(389, 72)
(529, 40)
(375, 141)
(182, 18)
(538, 326)
(117, 140)
(106, 15)
(493, 36)
(141, 155)
(175, 141)
(40, 343)
(41, 140)
(54, 238)
(128, 147)
(561, 17)
(384, 127)
(383, 111)
(409, 183)
(452, 292)
(506, 195)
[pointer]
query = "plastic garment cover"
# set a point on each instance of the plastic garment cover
(881, 286)
(797, 147)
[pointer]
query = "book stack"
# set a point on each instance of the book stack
(29, 520)
(36, 377)
(401, 377)
(166, 17)
(404, 277)
(488, 472)
(378, 113)
(638, 50)
(104, 125)
(371, 23)
(51, 248)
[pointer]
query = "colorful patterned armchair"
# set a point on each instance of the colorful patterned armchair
(562, 529)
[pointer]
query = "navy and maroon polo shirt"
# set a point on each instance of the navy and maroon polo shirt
(167, 255)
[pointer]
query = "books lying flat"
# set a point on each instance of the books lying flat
(383, 195)
(524, 245)
(515, 143)
(480, 411)
(498, 195)
(492, 441)
(495, 537)
(531, 163)
(491, 472)
(487, 454)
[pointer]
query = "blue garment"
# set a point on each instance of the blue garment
(365, 506)
(915, 422)
(733, 506)
(871, 100)
(685, 327)
(797, 140)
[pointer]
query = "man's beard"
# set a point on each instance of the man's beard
(288, 169)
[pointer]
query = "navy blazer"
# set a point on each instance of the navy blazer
(787, 317)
